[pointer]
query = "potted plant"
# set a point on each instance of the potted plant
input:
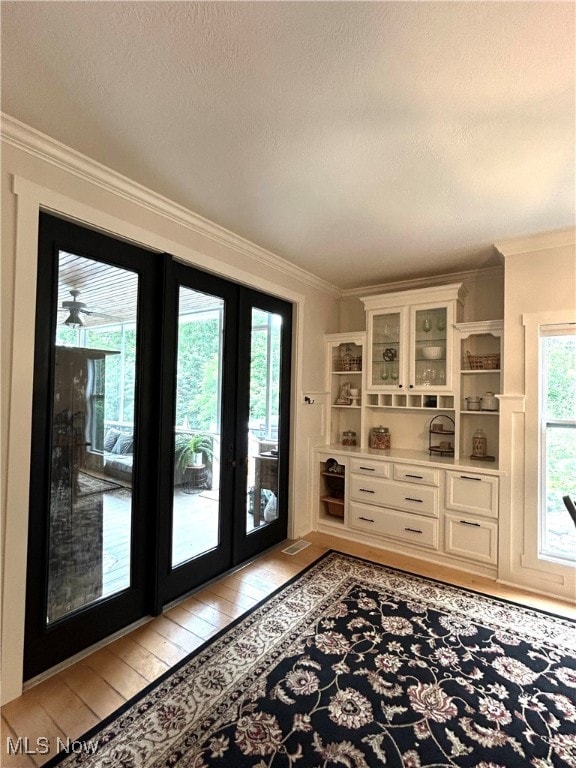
(193, 451)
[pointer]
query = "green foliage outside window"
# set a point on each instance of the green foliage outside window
(559, 423)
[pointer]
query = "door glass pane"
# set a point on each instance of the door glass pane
(558, 535)
(430, 347)
(92, 450)
(262, 501)
(197, 429)
(386, 352)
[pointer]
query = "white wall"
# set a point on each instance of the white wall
(540, 285)
(37, 172)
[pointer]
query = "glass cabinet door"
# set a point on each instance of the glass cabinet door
(387, 349)
(429, 358)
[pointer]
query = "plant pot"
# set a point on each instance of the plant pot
(197, 460)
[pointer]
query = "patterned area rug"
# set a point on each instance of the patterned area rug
(89, 484)
(356, 665)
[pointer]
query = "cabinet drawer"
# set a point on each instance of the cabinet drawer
(420, 475)
(389, 493)
(469, 492)
(369, 467)
(471, 538)
(396, 525)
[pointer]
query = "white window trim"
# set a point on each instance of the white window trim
(533, 322)
(547, 331)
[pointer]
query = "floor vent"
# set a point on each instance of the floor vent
(298, 546)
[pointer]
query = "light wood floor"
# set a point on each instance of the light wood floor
(76, 699)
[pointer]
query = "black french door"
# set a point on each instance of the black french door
(160, 435)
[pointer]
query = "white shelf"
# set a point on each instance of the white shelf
(346, 373)
(347, 407)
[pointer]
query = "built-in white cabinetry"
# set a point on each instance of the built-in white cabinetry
(467, 491)
(473, 540)
(390, 493)
(409, 341)
(407, 503)
(416, 370)
(452, 370)
(344, 364)
(391, 524)
(471, 527)
(479, 350)
(369, 467)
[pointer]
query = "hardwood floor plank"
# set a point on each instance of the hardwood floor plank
(232, 595)
(177, 634)
(271, 573)
(94, 691)
(139, 658)
(27, 718)
(10, 755)
(251, 585)
(158, 645)
(220, 603)
(190, 621)
(117, 673)
(64, 707)
(206, 612)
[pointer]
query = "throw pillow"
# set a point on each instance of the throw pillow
(124, 445)
(110, 439)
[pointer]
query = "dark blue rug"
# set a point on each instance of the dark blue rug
(355, 665)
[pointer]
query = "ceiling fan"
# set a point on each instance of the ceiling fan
(77, 308)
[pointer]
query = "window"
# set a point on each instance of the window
(557, 540)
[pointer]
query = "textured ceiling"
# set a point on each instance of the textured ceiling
(363, 142)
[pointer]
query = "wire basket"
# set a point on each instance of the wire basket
(351, 364)
(483, 362)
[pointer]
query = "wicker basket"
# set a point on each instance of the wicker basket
(483, 362)
(334, 506)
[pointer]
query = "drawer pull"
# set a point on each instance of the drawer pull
(415, 477)
(366, 519)
(467, 477)
(409, 498)
(368, 469)
(413, 530)
(366, 490)
(467, 522)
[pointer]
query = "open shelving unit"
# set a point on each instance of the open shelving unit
(332, 491)
(345, 362)
(408, 400)
(480, 345)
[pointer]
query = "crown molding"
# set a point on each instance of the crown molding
(414, 284)
(540, 241)
(39, 145)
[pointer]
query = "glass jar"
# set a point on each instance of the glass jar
(380, 438)
(349, 437)
(479, 444)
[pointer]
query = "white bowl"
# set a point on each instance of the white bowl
(432, 353)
